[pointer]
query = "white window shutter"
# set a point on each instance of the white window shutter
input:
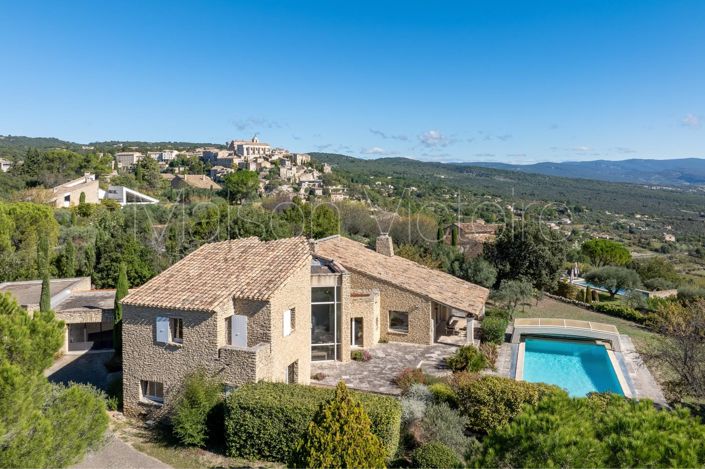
(287, 322)
(162, 330)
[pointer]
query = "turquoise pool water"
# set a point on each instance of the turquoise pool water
(578, 367)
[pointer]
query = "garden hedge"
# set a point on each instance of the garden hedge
(266, 420)
(621, 311)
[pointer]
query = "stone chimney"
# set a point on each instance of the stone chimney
(385, 245)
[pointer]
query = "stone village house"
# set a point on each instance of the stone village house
(248, 310)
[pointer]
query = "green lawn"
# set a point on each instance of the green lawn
(549, 308)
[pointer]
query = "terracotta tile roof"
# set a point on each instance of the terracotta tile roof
(432, 284)
(243, 268)
(198, 181)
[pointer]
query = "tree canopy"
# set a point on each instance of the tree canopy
(613, 279)
(603, 252)
(240, 185)
(528, 253)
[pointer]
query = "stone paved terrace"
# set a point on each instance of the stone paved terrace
(388, 360)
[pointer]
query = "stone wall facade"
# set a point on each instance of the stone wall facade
(393, 298)
(205, 343)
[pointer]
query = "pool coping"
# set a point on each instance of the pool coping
(623, 383)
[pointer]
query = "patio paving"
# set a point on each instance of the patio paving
(388, 360)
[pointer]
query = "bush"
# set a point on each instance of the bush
(490, 401)
(493, 329)
(319, 376)
(467, 358)
(690, 293)
(198, 396)
(340, 435)
(360, 355)
(490, 351)
(114, 394)
(419, 392)
(443, 394)
(266, 420)
(435, 455)
(567, 290)
(412, 410)
(411, 376)
(443, 424)
(598, 431)
(498, 313)
(621, 311)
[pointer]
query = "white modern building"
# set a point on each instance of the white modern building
(126, 196)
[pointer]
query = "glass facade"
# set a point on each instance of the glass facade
(326, 323)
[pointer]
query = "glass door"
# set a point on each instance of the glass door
(356, 332)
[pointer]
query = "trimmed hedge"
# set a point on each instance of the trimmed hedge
(266, 420)
(621, 311)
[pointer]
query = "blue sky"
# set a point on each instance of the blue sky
(514, 81)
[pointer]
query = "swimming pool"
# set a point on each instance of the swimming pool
(578, 367)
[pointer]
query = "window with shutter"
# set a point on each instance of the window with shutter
(162, 325)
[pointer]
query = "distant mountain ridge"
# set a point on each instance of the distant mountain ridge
(678, 172)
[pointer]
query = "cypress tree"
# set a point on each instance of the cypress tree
(588, 294)
(454, 235)
(439, 235)
(43, 259)
(120, 293)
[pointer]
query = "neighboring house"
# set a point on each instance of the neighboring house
(163, 156)
(247, 310)
(239, 309)
(5, 165)
(87, 313)
(69, 194)
(127, 159)
(126, 196)
(196, 181)
(472, 236)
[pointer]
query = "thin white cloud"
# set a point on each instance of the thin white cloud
(374, 151)
(691, 120)
(582, 149)
(386, 136)
(256, 123)
(434, 138)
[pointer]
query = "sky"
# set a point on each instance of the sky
(509, 81)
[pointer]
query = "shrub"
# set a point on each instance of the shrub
(408, 377)
(567, 290)
(77, 415)
(443, 424)
(114, 394)
(320, 376)
(493, 329)
(621, 311)
(198, 396)
(340, 435)
(599, 431)
(266, 420)
(490, 351)
(419, 392)
(360, 355)
(690, 293)
(467, 358)
(443, 394)
(498, 313)
(490, 401)
(412, 410)
(435, 455)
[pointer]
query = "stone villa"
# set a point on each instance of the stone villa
(248, 310)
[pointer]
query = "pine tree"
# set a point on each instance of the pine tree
(340, 435)
(120, 293)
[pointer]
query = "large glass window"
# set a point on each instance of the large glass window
(325, 323)
(399, 321)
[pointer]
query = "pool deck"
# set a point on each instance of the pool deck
(639, 379)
